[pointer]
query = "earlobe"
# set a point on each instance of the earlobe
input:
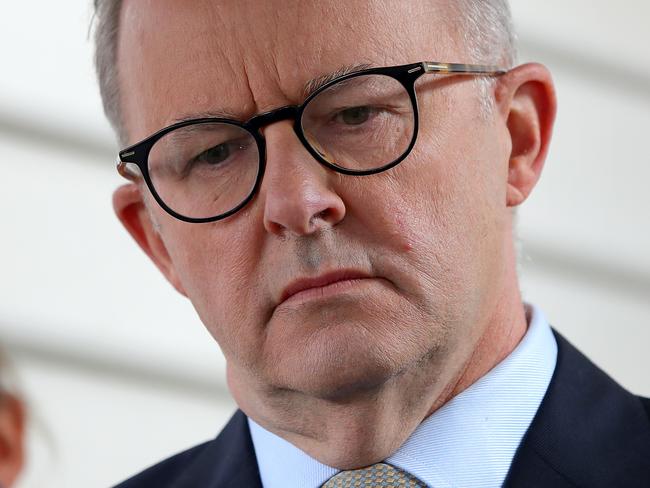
(130, 208)
(527, 97)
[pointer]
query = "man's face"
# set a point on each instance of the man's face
(428, 234)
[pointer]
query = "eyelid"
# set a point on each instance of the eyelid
(181, 135)
(336, 111)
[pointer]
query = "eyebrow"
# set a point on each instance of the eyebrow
(317, 83)
(309, 88)
(210, 114)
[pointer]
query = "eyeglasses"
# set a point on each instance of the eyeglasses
(361, 123)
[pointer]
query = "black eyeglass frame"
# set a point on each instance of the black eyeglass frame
(406, 74)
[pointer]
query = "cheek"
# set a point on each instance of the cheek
(217, 266)
(439, 223)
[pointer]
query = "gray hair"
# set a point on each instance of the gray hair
(487, 31)
(485, 25)
(107, 19)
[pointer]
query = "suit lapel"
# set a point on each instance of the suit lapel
(227, 462)
(588, 431)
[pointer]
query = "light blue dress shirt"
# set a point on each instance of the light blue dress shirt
(469, 442)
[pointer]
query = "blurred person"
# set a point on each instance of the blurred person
(12, 430)
(337, 200)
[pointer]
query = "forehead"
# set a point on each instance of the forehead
(242, 57)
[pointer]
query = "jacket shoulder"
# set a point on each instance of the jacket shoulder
(588, 431)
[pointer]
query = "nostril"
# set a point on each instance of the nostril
(325, 215)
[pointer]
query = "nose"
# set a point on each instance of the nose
(298, 193)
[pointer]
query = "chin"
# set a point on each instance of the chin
(338, 348)
(339, 363)
(341, 388)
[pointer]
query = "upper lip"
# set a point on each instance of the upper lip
(325, 279)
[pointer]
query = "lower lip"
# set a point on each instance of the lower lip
(327, 291)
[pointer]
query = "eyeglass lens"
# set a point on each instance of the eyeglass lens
(361, 123)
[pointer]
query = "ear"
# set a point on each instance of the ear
(131, 209)
(526, 99)
(12, 429)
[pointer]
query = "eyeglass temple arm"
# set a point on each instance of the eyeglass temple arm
(462, 69)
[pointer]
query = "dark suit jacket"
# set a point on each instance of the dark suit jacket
(588, 432)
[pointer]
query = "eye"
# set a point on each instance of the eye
(355, 115)
(216, 158)
(215, 155)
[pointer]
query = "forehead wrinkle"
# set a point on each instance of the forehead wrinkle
(310, 87)
(252, 52)
(266, 78)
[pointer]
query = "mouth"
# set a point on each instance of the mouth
(324, 285)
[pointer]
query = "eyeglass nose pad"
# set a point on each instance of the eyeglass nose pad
(319, 149)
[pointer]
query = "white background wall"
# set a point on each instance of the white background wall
(117, 369)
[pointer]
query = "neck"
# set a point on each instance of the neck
(505, 329)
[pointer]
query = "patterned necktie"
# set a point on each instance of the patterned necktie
(378, 475)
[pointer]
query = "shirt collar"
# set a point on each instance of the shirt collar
(470, 441)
